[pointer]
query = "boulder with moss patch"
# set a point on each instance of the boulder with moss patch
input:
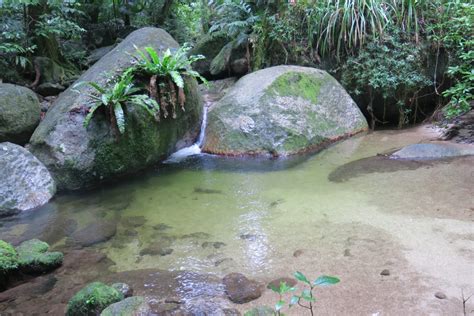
(34, 257)
(8, 258)
(281, 111)
(80, 157)
(92, 300)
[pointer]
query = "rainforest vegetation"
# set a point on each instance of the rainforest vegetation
(401, 60)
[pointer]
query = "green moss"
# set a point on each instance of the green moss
(297, 84)
(33, 257)
(8, 258)
(92, 300)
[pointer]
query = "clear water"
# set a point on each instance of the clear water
(273, 217)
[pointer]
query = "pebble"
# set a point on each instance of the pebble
(297, 253)
(440, 295)
(385, 272)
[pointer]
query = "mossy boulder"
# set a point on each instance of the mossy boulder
(132, 306)
(34, 257)
(8, 258)
(19, 113)
(92, 300)
(209, 46)
(281, 111)
(25, 182)
(80, 157)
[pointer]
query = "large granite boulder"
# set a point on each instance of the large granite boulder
(281, 111)
(80, 157)
(19, 113)
(25, 184)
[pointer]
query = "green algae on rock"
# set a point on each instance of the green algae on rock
(281, 111)
(92, 299)
(8, 258)
(34, 257)
(81, 157)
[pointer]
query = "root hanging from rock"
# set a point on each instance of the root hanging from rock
(163, 99)
(173, 97)
(181, 98)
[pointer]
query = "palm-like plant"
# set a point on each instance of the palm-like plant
(166, 73)
(114, 99)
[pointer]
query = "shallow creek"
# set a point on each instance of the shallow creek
(344, 212)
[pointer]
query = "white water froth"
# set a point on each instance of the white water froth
(194, 149)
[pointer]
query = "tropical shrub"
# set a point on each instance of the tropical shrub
(113, 100)
(166, 73)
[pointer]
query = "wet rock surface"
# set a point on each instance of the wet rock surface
(94, 233)
(131, 306)
(433, 151)
(26, 183)
(241, 290)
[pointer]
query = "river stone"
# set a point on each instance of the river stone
(131, 306)
(277, 282)
(433, 151)
(241, 290)
(19, 113)
(260, 311)
(25, 184)
(123, 288)
(281, 111)
(80, 157)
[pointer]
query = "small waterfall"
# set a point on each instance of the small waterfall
(194, 149)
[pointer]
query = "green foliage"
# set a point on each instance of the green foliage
(306, 298)
(115, 98)
(168, 64)
(8, 258)
(391, 68)
(453, 32)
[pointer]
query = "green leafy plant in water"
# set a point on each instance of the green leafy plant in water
(167, 72)
(306, 298)
(114, 99)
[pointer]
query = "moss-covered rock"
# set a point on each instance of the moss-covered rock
(80, 157)
(92, 300)
(282, 111)
(19, 113)
(132, 306)
(209, 46)
(8, 258)
(34, 257)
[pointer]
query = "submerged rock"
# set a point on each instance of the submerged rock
(276, 283)
(80, 157)
(241, 290)
(19, 113)
(260, 311)
(26, 183)
(433, 151)
(281, 111)
(92, 300)
(34, 257)
(97, 232)
(132, 306)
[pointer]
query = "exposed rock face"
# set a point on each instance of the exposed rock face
(25, 184)
(19, 113)
(433, 151)
(281, 111)
(132, 306)
(241, 290)
(81, 157)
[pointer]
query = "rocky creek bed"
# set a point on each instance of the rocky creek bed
(397, 233)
